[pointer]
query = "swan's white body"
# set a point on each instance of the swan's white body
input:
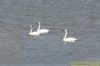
(68, 39)
(33, 33)
(42, 31)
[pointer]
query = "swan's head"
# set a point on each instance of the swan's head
(30, 26)
(65, 30)
(38, 22)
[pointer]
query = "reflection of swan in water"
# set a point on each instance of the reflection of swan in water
(68, 39)
(42, 31)
(33, 33)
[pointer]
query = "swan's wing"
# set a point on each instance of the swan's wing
(72, 38)
(43, 30)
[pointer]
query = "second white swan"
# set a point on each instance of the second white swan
(33, 33)
(42, 31)
(68, 39)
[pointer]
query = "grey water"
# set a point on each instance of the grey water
(18, 48)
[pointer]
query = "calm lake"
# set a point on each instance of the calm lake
(18, 48)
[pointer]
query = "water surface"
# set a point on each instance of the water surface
(80, 17)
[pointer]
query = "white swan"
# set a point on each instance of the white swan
(68, 39)
(42, 31)
(33, 33)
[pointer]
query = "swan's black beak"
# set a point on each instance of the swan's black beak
(38, 22)
(65, 30)
(62, 30)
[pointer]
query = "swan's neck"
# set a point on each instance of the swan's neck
(38, 27)
(65, 35)
(31, 29)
